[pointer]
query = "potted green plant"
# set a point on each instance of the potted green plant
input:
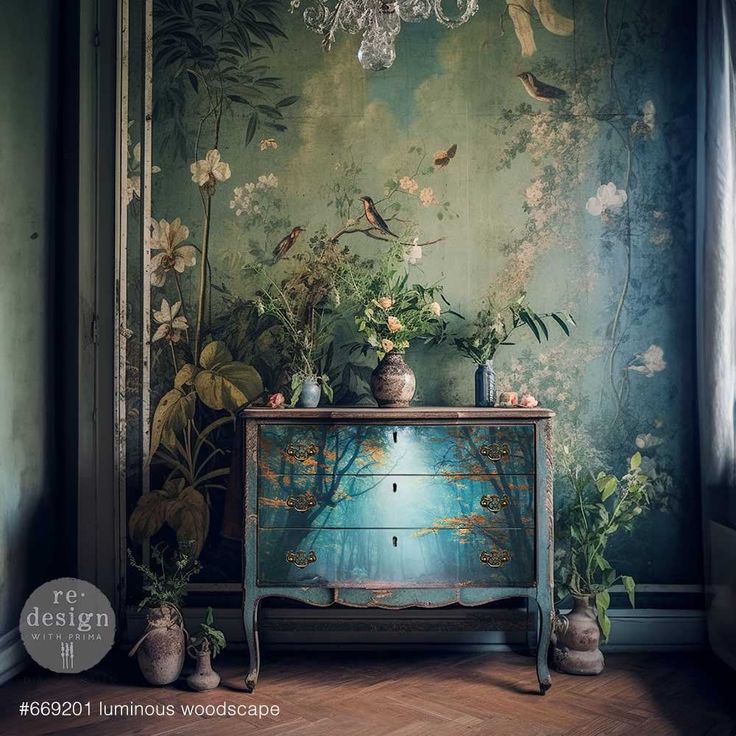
(160, 650)
(602, 506)
(300, 308)
(391, 313)
(204, 646)
(492, 328)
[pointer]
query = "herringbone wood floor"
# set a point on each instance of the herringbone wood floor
(374, 694)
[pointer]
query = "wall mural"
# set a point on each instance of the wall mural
(538, 149)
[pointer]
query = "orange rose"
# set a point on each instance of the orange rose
(394, 325)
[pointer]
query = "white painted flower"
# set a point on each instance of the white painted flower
(209, 170)
(645, 441)
(435, 308)
(133, 182)
(608, 199)
(649, 362)
(267, 143)
(413, 254)
(427, 198)
(171, 324)
(408, 184)
(267, 181)
(175, 255)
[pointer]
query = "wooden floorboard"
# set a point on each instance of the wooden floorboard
(379, 694)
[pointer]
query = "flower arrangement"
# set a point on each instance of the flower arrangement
(493, 326)
(391, 312)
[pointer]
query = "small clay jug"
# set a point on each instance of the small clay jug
(203, 677)
(393, 382)
(161, 648)
(577, 636)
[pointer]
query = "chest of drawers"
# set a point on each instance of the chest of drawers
(397, 507)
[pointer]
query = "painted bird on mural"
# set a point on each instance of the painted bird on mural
(287, 243)
(538, 90)
(373, 216)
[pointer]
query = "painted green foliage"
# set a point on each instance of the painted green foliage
(580, 198)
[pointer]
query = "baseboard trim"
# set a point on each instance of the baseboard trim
(13, 657)
(463, 629)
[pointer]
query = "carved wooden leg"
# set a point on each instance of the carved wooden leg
(545, 635)
(250, 619)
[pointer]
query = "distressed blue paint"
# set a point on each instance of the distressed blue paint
(393, 517)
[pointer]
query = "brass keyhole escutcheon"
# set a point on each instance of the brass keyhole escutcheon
(494, 503)
(394, 487)
(395, 542)
(495, 558)
(301, 451)
(301, 502)
(496, 451)
(300, 558)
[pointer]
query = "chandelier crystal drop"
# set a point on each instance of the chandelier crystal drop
(379, 21)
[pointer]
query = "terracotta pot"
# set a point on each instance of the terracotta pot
(577, 636)
(393, 382)
(161, 648)
(203, 677)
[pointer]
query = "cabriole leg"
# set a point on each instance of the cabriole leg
(545, 635)
(250, 620)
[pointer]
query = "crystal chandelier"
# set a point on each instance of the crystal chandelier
(378, 20)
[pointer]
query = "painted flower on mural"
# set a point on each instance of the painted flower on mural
(435, 308)
(408, 184)
(174, 255)
(208, 171)
(413, 254)
(608, 200)
(133, 182)
(171, 325)
(648, 440)
(427, 197)
(645, 124)
(387, 345)
(249, 199)
(268, 143)
(649, 362)
(384, 302)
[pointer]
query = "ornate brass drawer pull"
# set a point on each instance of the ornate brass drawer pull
(493, 502)
(301, 451)
(300, 558)
(495, 451)
(495, 558)
(302, 502)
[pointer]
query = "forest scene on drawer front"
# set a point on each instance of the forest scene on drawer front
(543, 149)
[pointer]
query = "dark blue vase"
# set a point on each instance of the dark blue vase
(485, 384)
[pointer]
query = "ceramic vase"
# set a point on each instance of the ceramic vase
(393, 382)
(577, 637)
(311, 394)
(203, 677)
(485, 384)
(161, 649)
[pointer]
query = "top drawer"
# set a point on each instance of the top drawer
(418, 449)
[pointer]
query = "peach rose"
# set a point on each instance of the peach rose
(387, 345)
(385, 302)
(528, 401)
(435, 308)
(275, 401)
(394, 325)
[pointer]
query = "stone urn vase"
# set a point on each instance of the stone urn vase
(577, 637)
(161, 649)
(393, 382)
(203, 677)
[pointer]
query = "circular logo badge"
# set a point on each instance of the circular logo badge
(67, 625)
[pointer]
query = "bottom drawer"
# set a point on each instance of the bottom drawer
(396, 558)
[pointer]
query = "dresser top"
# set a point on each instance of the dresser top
(343, 413)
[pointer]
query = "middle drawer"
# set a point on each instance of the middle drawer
(409, 501)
